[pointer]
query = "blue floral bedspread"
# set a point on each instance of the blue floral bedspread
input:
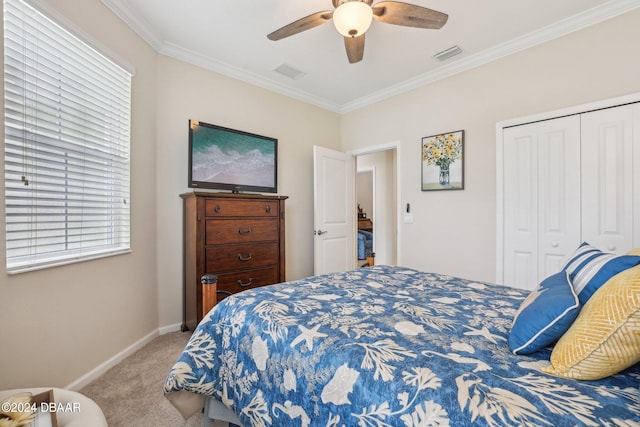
(386, 346)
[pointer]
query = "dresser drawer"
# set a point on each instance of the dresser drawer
(223, 231)
(240, 257)
(236, 282)
(222, 208)
(238, 237)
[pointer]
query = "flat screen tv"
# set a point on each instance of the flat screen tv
(226, 159)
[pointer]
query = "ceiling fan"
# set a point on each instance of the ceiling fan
(352, 19)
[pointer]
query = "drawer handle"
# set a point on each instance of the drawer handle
(245, 284)
(218, 209)
(247, 231)
(267, 208)
(245, 259)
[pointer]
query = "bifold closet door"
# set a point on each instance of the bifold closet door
(607, 178)
(541, 195)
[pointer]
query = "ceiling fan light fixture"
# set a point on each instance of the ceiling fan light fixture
(352, 18)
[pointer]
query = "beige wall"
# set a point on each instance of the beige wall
(454, 232)
(364, 190)
(188, 92)
(60, 323)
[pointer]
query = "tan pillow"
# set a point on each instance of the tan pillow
(605, 338)
(635, 251)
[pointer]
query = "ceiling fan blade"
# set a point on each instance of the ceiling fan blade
(408, 15)
(303, 24)
(355, 48)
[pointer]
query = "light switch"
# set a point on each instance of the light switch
(408, 218)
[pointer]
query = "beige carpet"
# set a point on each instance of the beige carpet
(130, 393)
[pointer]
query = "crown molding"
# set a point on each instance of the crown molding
(142, 28)
(122, 10)
(561, 28)
(206, 62)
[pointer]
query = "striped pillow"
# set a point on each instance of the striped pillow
(589, 268)
(605, 338)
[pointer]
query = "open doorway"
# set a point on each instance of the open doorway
(335, 206)
(376, 198)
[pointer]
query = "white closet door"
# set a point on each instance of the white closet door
(607, 178)
(541, 199)
(559, 193)
(520, 206)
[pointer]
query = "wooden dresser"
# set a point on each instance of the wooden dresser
(237, 237)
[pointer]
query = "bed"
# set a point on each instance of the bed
(383, 346)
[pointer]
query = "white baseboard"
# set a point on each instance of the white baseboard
(171, 328)
(110, 363)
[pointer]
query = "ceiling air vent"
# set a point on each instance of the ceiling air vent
(289, 71)
(448, 53)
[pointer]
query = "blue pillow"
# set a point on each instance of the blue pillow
(589, 268)
(545, 315)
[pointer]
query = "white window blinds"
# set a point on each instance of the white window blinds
(66, 149)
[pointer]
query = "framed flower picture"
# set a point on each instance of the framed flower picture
(443, 161)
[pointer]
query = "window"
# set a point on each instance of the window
(66, 148)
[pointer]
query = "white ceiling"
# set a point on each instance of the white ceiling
(229, 37)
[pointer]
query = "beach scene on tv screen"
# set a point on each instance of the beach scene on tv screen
(231, 158)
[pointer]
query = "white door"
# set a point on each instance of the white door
(520, 189)
(541, 187)
(558, 193)
(334, 211)
(607, 181)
